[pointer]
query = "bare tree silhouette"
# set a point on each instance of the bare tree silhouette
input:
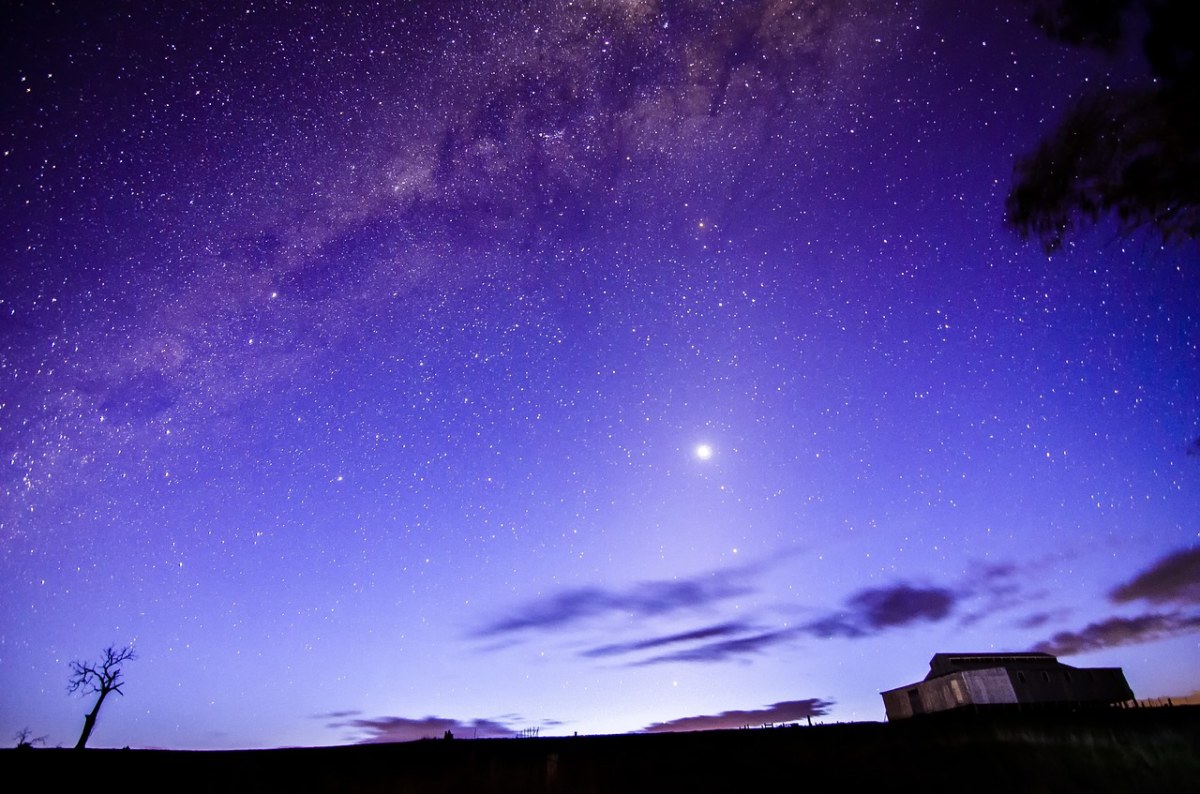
(26, 740)
(101, 678)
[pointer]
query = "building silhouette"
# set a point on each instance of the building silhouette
(1005, 681)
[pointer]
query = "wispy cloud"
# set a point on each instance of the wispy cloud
(724, 650)
(1119, 631)
(706, 633)
(865, 613)
(647, 599)
(786, 711)
(1174, 578)
(337, 715)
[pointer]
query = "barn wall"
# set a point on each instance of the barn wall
(943, 693)
(895, 703)
(989, 686)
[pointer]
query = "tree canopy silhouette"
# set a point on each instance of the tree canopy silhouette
(1133, 153)
(100, 677)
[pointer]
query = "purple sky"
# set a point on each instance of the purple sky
(356, 364)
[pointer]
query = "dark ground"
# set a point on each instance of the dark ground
(1133, 750)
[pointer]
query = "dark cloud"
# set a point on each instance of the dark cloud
(996, 571)
(880, 608)
(706, 633)
(786, 711)
(835, 626)
(567, 607)
(1120, 631)
(380, 730)
(647, 599)
(1174, 578)
(1035, 621)
(902, 604)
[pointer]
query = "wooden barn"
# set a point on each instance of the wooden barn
(1005, 680)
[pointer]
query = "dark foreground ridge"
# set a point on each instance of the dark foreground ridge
(1135, 750)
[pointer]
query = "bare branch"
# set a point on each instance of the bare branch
(26, 739)
(1131, 154)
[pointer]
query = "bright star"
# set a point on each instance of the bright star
(704, 451)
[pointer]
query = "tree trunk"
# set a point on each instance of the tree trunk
(89, 721)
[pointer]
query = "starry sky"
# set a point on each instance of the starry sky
(382, 368)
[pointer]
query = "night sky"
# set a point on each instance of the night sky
(382, 368)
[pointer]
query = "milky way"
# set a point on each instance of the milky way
(612, 365)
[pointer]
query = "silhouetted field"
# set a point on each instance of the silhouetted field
(1137, 750)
